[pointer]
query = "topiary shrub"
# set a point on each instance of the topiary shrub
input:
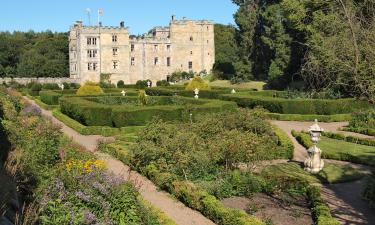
(199, 83)
(90, 88)
(162, 83)
(34, 89)
(120, 84)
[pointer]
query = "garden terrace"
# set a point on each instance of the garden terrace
(119, 111)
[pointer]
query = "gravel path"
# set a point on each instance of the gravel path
(344, 199)
(174, 209)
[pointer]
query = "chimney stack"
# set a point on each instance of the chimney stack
(122, 24)
(100, 24)
(78, 23)
(173, 18)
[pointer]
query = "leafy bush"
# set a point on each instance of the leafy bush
(120, 84)
(178, 76)
(103, 84)
(162, 83)
(89, 88)
(363, 119)
(198, 83)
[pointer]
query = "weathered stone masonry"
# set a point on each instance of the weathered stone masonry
(185, 45)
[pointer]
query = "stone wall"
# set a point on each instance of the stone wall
(42, 80)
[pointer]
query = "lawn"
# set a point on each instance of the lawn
(335, 173)
(346, 151)
(245, 85)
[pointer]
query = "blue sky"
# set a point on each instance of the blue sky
(139, 15)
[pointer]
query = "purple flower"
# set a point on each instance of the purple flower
(84, 197)
(31, 110)
(89, 217)
(100, 187)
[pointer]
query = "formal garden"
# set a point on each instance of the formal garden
(204, 147)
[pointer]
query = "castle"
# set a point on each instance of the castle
(100, 51)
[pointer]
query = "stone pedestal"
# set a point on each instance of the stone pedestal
(314, 162)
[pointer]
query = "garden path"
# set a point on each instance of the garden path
(174, 209)
(344, 199)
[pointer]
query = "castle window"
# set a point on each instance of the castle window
(94, 66)
(115, 51)
(208, 28)
(115, 65)
(168, 48)
(89, 66)
(114, 38)
(132, 61)
(75, 67)
(191, 38)
(91, 53)
(156, 61)
(156, 47)
(191, 52)
(207, 41)
(132, 48)
(190, 65)
(91, 41)
(168, 61)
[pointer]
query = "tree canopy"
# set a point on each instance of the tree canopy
(325, 45)
(31, 54)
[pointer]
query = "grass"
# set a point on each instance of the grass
(245, 85)
(346, 151)
(335, 173)
(292, 169)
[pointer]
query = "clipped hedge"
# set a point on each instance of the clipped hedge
(88, 111)
(320, 210)
(50, 97)
(297, 106)
(300, 117)
(365, 131)
(356, 140)
(163, 91)
(303, 138)
(284, 141)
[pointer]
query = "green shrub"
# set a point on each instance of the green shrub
(89, 89)
(365, 131)
(297, 106)
(92, 112)
(50, 97)
(303, 138)
(363, 119)
(86, 112)
(51, 86)
(300, 117)
(120, 84)
(356, 140)
(320, 210)
(142, 84)
(198, 83)
(162, 83)
(34, 89)
(285, 142)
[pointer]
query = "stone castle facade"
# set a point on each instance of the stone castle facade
(100, 51)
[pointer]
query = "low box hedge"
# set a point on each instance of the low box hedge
(365, 131)
(352, 139)
(297, 106)
(284, 141)
(300, 117)
(90, 112)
